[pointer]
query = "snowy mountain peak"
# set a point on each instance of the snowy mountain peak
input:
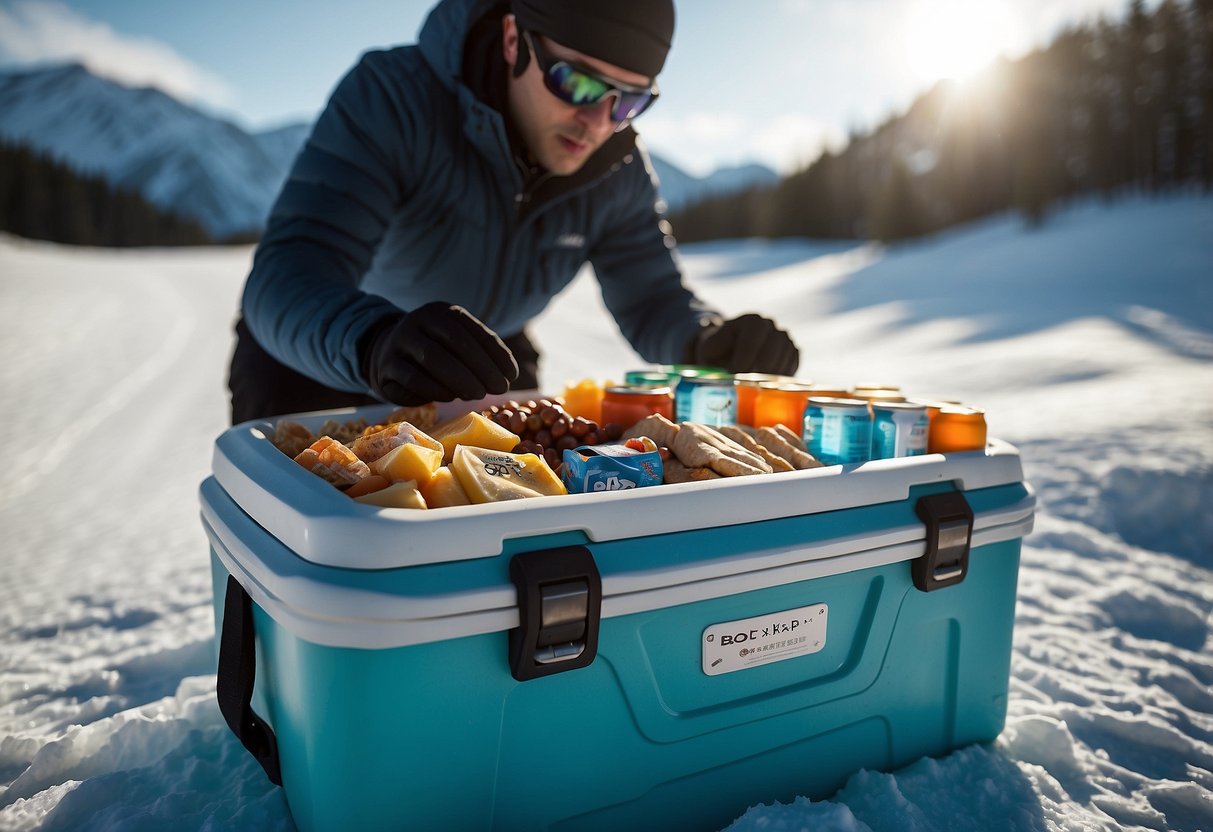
(195, 164)
(179, 158)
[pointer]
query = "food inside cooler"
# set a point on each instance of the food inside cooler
(539, 448)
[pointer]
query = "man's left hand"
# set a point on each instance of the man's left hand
(749, 344)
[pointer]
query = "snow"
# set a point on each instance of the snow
(1088, 342)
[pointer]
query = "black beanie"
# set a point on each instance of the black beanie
(631, 34)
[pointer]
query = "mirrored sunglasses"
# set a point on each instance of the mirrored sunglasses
(582, 87)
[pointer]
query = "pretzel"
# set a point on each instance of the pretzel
(674, 471)
(746, 441)
(774, 442)
(699, 446)
(422, 417)
(291, 437)
(656, 427)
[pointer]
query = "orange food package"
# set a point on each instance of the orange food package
(329, 459)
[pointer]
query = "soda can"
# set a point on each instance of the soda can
(648, 378)
(898, 429)
(957, 428)
(709, 399)
(747, 393)
(781, 403)
(838, 431)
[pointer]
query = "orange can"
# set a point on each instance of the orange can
(781, 403)
(957, 428)
(747, 393)
(933, 406)
(626, 406)
(875, 395)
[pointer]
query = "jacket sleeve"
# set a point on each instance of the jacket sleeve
(301, 300)
(635, 262)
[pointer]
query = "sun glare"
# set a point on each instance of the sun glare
(955, 39)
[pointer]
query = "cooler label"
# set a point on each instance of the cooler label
(750, 642)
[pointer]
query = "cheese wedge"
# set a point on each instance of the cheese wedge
(409, 462)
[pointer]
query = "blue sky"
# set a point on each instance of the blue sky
(771, 81)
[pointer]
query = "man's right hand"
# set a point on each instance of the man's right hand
(437, 353)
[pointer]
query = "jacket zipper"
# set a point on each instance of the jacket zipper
(521, 198)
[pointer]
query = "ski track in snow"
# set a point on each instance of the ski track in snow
(1096, 364)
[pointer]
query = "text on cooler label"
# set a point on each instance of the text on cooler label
(763, 639)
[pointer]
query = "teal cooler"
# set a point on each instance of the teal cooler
(651, 658)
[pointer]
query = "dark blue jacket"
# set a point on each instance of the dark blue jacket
(407, 192)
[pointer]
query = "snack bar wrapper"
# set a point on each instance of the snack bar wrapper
(609, 468)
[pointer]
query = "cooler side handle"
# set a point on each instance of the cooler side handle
(236, 675)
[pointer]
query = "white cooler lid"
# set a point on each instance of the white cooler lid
(319, 523)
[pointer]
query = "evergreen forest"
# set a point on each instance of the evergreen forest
(1107, 108)
(44, 199)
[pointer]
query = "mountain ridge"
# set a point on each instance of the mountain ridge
(199, 165)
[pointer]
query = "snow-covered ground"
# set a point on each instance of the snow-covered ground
(1089, 342)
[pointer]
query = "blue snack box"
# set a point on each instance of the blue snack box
(662, 656)
(609, 468)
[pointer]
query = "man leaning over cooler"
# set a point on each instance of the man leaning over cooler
(449, 190)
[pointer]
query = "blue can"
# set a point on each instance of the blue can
(898, 429)
(838, 431)
(709, 399)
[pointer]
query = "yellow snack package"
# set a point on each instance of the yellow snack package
(475, 431)
(396, 495)
(444, 490)
(488, 476)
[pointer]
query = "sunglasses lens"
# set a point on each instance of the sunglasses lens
(574, 86)
(631, 104)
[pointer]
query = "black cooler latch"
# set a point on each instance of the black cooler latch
(949, 522)
(559, 606)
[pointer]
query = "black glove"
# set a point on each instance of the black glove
(436, 353)
(749, 344)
